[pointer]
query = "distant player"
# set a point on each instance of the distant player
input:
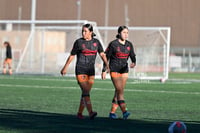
(86, 49)
(118, 52)
(8, 59)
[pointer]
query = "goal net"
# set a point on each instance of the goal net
(151, 46)
(45, 49)
(48, 47)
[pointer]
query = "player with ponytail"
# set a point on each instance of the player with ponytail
(118, 53)
(86, 49)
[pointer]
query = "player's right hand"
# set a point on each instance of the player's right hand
(63, 72)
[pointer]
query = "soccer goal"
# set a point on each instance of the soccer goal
(44, 49)
(49, 45)
(152, 45)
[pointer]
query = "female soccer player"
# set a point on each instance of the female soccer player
(118, 52)
(86, 49)
(8, 59)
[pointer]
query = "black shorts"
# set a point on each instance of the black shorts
(88, 70)
(119, 69)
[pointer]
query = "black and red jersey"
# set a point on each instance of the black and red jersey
(118, 55)
(8, 52)
(86, 51)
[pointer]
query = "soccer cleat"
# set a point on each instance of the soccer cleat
(92, 115)
(125, 115)
(80, 116)
(112, 116)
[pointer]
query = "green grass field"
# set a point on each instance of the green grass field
(48, 104)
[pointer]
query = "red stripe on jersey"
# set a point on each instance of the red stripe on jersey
(89, 52)
(122, 55)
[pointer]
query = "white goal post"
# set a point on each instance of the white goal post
(50, 42)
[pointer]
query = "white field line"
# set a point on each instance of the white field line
(101, 89)
(174, 81)
(46, 79)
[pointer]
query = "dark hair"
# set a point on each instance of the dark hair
(120, 29)
(90, 28)
(6, 42)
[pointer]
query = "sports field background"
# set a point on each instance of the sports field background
(47, 104)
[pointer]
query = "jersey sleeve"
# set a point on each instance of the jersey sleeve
(9, 52)
(75, 48)
(109, 51)
(132, 54)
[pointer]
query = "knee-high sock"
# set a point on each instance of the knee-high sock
(4, 70)
(114, 106)
(81, 106)
(88, 104)
(122, 105)
(10, 70)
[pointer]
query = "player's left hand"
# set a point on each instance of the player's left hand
(103, 75)
(107, 69)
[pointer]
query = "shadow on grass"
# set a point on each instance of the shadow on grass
(43, 122)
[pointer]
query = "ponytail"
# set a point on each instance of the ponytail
(90, 28)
